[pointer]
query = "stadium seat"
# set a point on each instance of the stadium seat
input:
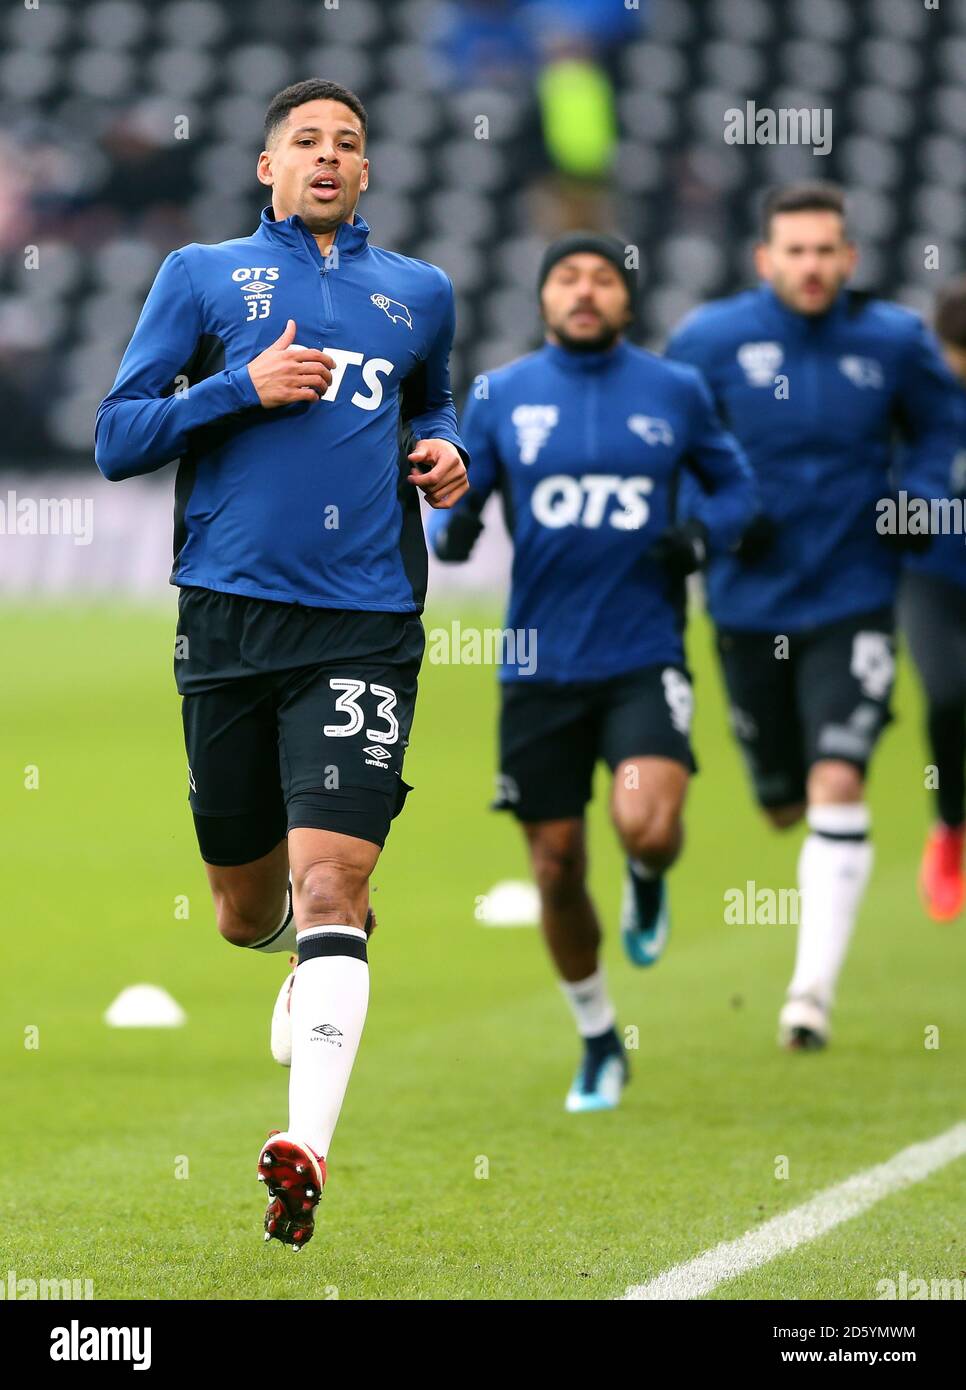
(81, 82)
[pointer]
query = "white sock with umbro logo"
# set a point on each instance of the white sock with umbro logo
(330, 996)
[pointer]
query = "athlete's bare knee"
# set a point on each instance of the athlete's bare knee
(831, 782)
(331, 891)
(784, 817)
(653, 838)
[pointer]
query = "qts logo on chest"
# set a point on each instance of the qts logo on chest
(592, 500)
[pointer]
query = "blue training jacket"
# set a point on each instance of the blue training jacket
(946, 557)
(587, 451)
(818, 405)
(304, 503)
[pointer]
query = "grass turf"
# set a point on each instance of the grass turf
(468, 1048)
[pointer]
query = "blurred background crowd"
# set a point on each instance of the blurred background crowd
(129, 128)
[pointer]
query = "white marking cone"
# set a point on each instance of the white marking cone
(510, 903)
(145, 1006)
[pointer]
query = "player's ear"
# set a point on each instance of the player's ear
(264, 170)
(364, 180)
(852, 257)
(762, 260)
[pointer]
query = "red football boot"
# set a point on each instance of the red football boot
(295, 1177)
(941, 879)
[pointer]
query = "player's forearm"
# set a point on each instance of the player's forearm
(135, 436)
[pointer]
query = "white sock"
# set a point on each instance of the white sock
(283, 937)
(833, 870)
(330, 995)
(590, 1004)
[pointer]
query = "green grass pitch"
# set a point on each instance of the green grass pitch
(468, 1049)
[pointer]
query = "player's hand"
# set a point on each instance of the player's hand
(906, 542)
(443, 474)
(284, 374)
(682, 549)
(756, 539)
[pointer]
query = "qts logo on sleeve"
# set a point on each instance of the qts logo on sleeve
(256, 284)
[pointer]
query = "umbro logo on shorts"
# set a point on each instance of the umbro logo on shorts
(378, 756)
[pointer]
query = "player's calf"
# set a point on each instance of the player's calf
(268, 931)
(570, 927)
(253, 902)
(646, 805)
(559, 860)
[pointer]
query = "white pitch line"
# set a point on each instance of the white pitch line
(807, 1222)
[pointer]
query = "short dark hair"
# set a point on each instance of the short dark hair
(814, 196)
(313, 89)
(951, 313)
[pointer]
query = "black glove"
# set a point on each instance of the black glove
(455, 540)
(905, 542)
(681, 549)
(756, 539)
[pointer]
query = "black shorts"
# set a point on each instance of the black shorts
(551, 736)
(293, 716)
(800, 698)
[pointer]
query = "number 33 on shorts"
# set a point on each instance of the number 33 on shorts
(382, 733)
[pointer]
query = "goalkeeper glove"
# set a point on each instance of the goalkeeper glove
(906, 542)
